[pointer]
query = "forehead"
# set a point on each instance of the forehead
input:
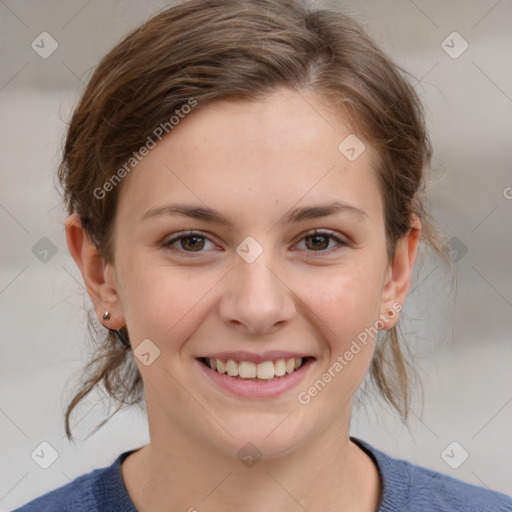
(247, 156)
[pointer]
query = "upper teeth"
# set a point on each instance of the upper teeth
(248, 370)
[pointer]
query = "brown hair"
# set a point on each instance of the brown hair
(242, 49)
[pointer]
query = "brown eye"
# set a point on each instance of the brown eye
(191, 242)
(319, 242)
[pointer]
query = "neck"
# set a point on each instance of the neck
(177, 469)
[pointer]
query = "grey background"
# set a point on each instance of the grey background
(461, 338)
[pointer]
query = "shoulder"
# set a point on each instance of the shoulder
(414, 488)
(101, 489)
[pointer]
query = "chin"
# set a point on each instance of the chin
(266, 438)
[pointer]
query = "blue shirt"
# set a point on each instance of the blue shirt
(405, 488)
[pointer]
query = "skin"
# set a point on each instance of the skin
(253, 162)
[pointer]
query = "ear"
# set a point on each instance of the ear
(399, 274)
(98, 276)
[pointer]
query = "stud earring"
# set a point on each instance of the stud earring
(106, 315)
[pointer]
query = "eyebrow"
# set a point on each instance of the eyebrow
(296, 215)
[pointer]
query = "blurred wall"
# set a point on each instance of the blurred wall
(459, 54)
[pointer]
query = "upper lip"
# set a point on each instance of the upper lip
(242, 355)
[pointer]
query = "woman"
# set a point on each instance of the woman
(244, 183)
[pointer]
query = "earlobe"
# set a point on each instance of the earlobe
(99, 283)
(399, 273)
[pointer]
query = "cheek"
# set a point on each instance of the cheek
(345, 309)
(165, 302)
(346, 301)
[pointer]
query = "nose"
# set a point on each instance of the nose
(256, 299)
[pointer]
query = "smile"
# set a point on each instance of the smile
(266, 370)
(255, 379)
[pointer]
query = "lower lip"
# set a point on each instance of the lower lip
(252, 389)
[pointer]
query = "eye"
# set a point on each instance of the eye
(318, 241)
(195, 241)
(190, 241)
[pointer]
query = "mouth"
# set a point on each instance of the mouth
(265, 371)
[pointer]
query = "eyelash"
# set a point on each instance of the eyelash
(199, 234)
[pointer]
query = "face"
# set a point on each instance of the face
(272, 274)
